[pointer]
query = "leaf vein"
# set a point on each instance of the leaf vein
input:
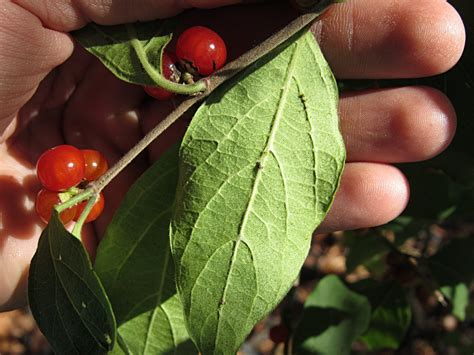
(276, 121)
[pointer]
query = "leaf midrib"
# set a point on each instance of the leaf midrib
(67, 294)
(158, 298)
(263, 157)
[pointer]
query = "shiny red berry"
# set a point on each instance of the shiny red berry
(46, 200)
(202, 48)
(95, 212)
(279, 333)
(95, 164)
(169, 71)
(60, 168)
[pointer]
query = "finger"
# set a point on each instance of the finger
(28, 52)
(66, 16)
(396, 125)
(391, 38)
(370, 195)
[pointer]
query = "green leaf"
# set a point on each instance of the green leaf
(135, 265)
(424, 181)
(364, 249)
(160, 331)
(66, 297)
(404, 228)
(113, 46)
(458, 340)
(391, 314)
(334, 317)
(453, 270)
(259, 167)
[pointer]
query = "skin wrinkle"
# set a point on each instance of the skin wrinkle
(340, 22)
(347, 24)
(70, 12)
(350, 27)
(53, 14)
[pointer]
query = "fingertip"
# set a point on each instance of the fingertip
(436, 40)
(392, 38)
(427, 126)
(396, 125)
(370, 195)
(454, 38)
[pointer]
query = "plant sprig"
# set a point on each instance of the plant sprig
(210, 84)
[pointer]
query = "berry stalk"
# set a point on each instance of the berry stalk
(86, 194)
(77, 230)
(156, 76)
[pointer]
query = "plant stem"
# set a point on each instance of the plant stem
(80, 222)
(156, 76)
(75, 200)
(218, 78)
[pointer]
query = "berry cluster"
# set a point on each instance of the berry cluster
(63, 171)
(199, 52)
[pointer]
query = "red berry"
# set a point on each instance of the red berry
(46, 200)
(169, 71)
(204, 49)
(95, 164)
(279, 333)
(95, 212)
(60, 168)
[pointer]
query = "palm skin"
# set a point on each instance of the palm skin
(54, 93)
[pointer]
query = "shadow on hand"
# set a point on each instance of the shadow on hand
(18, 217)
(18, 297)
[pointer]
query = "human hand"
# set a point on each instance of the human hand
(52, 93)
